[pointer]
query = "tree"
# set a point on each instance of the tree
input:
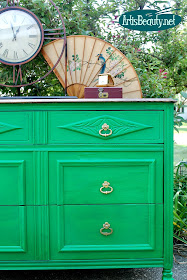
(158, 57)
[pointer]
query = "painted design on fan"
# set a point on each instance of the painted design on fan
(115, 58)
(102, 59)
(88, 57)
(118, 126)
(4, 127)
(74, 64)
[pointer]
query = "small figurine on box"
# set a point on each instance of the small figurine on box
(105, 80)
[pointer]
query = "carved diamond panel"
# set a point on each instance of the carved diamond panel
(118, 126)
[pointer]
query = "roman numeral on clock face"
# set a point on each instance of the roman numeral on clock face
(15, 55)
(31, 45)
(1, 45)
(31, 26)
(25, 52)
(5, 54)
(32, 36)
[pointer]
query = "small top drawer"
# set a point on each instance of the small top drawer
(89, 127)
(15, 127)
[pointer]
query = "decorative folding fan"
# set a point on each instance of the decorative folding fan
(86, 58)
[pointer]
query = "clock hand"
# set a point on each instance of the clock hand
(17, 31)
(14, 36)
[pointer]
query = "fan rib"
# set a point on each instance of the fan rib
(99, 70)
(61, 67)
(69, 69)
(88, 62)
(122, 70)
(134, 78)
(82, 58)
(115, 65)
(95, 64)
(49, 61)
(82, 63)
(75, 62)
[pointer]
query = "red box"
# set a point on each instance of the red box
(104, 93)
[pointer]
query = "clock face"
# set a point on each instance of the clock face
(21, 36)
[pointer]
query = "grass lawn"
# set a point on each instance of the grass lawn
(180, 147)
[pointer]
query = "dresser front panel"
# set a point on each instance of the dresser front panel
(85, 127)
(77, 177)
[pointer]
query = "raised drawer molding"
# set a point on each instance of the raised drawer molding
(86, 184)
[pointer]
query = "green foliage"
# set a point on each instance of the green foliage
(158, 57)
(180, 202)
(178, 120)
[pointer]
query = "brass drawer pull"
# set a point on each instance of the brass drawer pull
(105, 127)
(106, 185)
(106, 225)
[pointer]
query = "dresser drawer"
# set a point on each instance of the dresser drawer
(16, 127)
(105, 127)
(130, 181)
(134, 177)
(126, 229)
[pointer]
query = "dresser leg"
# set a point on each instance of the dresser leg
(167, 274)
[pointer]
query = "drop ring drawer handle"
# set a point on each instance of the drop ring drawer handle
(105, 127)
(105, 186)
(106, 225)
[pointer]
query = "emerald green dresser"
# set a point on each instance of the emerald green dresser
(86, 183)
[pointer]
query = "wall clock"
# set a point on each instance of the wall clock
(21, 38)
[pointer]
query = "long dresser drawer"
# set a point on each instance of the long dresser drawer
(82, 178)
(105, 127)
(133, 231)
